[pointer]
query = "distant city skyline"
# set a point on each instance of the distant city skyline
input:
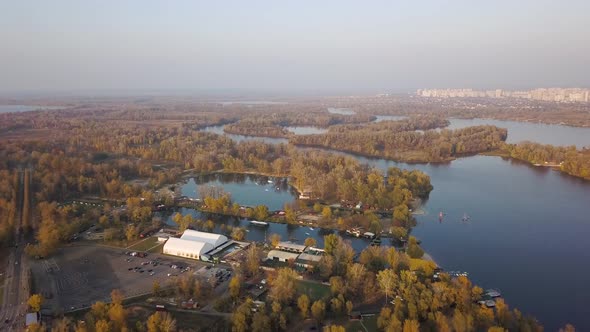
(292, 47)
(560, 95)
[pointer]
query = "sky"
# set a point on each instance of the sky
(365, 46)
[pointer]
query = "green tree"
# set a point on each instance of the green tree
(330, 243)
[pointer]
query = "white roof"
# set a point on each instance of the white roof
(181, 245)
(214, 239)
(282, 255)
(31, 318)
(311, 258)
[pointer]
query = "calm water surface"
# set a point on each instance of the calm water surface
(342, 111)
(527, 233)
(534, 132)
(249, 190)
(306, 130)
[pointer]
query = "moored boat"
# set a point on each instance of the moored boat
(258, 223)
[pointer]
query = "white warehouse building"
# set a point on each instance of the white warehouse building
(193, 244)
(214, 239)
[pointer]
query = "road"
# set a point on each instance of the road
(16, 284)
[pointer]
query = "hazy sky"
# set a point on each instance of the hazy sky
(293, 45)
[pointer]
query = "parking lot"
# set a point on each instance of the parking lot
(78, 276)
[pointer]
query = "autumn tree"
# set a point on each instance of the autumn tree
(387, 280)
(275, 239)
(156, 288)
(283, 287)
(161, 322)
(318, 310)
(252, 263)
(310, 242)
(303, 305)
(234, 287)
(35, 301)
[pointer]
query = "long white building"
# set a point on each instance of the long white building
(193, 244)
(214, 239)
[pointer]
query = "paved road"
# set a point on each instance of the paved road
(16, 284)
(16, 292)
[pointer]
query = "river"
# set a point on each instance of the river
(528, 227)
(535, 132)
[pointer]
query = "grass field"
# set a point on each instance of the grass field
(315, 291)
(157, 249)
(145, 244)
(366, 324)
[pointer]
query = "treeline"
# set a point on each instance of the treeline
(409, 146)
(256, 127)
(273, 125)
(113, 316)
(568, 159)
(411, 124)
(571, 114)
(8, 205)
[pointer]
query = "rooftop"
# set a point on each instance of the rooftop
(282, 255)
(290, 246)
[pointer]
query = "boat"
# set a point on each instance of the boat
(441, 215)
(490, 303)
(493, 293)
(258, 223)
(311, 228)
(306, 233)
(466, 217)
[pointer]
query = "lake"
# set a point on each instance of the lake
(534, 132)
(25, 108)
(527, 233)
(341, 111)
(245, 189)
(528, 227)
